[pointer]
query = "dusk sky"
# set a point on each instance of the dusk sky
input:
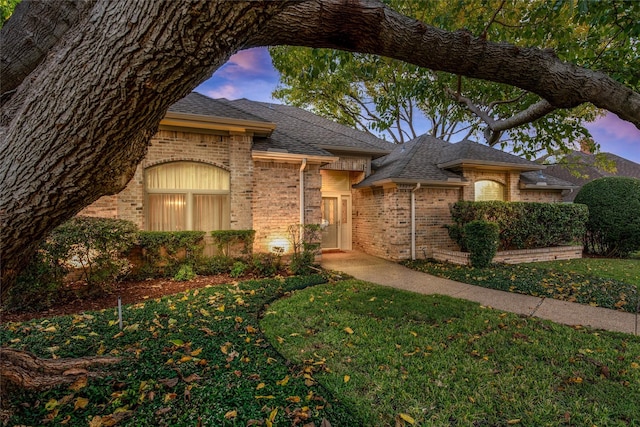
(250, 74)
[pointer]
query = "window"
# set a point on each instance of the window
(488, 190)
(187, 196)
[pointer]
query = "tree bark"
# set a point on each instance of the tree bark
(34, 28)
(80, 122)
(27, 371)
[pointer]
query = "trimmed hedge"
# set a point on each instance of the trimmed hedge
(225, 239)
(522, 225)
(481, 238)
(613, 228)
(164, 252)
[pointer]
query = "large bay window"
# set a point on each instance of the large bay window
(486, 190)
(187, 196)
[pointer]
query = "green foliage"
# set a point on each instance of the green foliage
(481, 239)
(613, 228)
(266, 264)
(385, 97)
(185, 273)
(198, 355)
(542, 280)
(523, 225)
(305, 240)
(210, 266)
(6, 10)
(226, 239)
(390, 355)
(97, 246)
(165, 251)
(238, 269)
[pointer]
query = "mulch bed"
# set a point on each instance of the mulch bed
(130, 292)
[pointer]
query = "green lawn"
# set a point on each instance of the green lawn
(351, 353)
(190, 359)
(399, 358)
(606, 283)
(624, 270)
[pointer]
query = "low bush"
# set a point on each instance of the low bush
(96, 247)
(266, 264)
(210, 266)
(225, 240)
(305, 241)
(613, 228)
(185, 273)
(481, 239)
(164, 252)
(522, 225)
(238, 269)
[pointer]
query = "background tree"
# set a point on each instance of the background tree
(387, 97)
(76, 125)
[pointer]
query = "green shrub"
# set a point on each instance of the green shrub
(238, 269)
(226, 239)
(210, 266)
(522, 225)
(613, 228)
(481, 239)
(265, 264)
(164, 252)
(95, 246)
(185, 273)
(305, 241)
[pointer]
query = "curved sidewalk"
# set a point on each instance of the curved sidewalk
(388, 273)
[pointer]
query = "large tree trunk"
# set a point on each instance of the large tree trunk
(80, 122)
(27, 371)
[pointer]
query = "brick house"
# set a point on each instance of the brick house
(219, 164)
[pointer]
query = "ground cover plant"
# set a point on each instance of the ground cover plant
(194, 358)
(401, 359)
(544, 280)
(624, 270)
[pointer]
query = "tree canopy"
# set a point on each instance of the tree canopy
(85, 84)
(387, 97)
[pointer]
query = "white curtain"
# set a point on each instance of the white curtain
(210, 212)
(167, 212)
(187, 175)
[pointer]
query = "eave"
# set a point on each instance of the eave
(373, 152)
(488, 165)
(222, 125)
(450, 183)
(291, 157)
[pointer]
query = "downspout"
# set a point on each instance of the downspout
(302, 168)
(413, 221)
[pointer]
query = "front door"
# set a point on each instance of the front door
(336, 221)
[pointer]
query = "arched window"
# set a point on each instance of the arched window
(187, 196)
(488, 190)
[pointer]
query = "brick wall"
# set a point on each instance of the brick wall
(171, 145)
(276, 201)
(518, 256)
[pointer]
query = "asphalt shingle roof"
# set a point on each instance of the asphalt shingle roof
(473, 151)
(310, 129)
(195, 103)
(585, 166)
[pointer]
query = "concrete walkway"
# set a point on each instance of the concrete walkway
(387, 273)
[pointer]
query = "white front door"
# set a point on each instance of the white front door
(336, 221)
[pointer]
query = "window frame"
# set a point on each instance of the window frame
(188, 195)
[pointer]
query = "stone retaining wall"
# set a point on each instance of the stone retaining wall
(518, 256)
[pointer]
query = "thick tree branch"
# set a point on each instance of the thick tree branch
(496, 127)
(34, 28)
(370, 27)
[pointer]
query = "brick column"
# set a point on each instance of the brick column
(241, 167)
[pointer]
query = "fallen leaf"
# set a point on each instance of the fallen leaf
(169, 382)
(347, 378)
(169, 397)
(514, 421)
(259, 386)
(348, 330)
(162, 411)
(407, 418)
(191, 378)
(283, 381)
(231, 414)
(80, 403)
(196, 352)
(78, 384)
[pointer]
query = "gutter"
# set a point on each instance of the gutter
(413, 221)
(303, 166)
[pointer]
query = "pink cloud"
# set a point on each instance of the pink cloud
(247, 63)
(225, 91)
(614, 127)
